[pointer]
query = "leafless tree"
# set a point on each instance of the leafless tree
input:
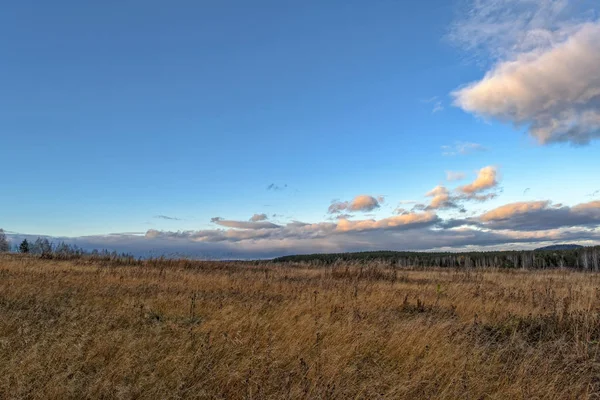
(4, 244)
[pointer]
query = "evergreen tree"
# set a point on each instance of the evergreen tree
(24, 246)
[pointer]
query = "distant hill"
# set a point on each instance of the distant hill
(559, 247)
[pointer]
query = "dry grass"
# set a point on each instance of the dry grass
(75, 330)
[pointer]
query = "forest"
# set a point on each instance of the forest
(583, 258)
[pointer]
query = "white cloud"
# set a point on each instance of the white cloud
(437, 105)
(462, 148)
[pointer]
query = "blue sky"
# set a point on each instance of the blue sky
(115, 115)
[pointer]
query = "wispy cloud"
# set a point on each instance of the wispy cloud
(452, 176)
(436, 103)
(167, 217)
(275, 187)
(462, 148)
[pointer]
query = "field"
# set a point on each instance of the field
(175, 329)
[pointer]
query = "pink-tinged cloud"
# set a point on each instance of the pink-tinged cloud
(396, 221)
(541, 215)
(440, 198)
(362, 203)
(554, 90)
(486, 179)
(510, 210)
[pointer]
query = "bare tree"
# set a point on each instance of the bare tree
(4, 244)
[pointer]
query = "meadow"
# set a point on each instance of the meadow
(175, 329)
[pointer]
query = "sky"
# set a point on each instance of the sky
(236, 129)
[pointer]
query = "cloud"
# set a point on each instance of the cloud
(440, 198)
(462, 148)
(301, 239)
(510, 226)
(404, 221)
(516, 225)
(541, 215)
(365, 203)
(454, 176)
(545, 77)
(296, 230)
(362, 203)
(438, 106)
(243, 224)
(594, 194)
(275, 187)
(337, 207)
(167, 217)
(259, 217)
(500, 29)
(486, 179)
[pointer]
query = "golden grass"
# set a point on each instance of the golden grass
(82, 329)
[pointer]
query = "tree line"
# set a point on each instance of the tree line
(583, 258)
(43, 248)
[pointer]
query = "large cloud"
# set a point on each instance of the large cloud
(546, 77)
(541, 215)
(403, 221)
(244, 224)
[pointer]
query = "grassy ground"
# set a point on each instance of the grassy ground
(80, 329)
